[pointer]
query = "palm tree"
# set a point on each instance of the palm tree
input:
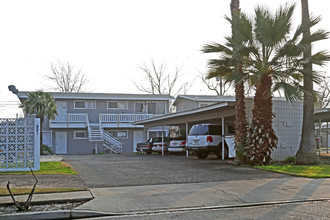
(274, 63)
(42, 104)
(230, 63)
(240, 113)
(307, 149)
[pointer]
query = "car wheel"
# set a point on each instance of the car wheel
(219, 152)
(148, 152)
(202, 154)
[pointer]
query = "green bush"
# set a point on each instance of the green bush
(45, 150)
(290, 160)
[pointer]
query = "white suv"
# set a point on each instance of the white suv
(206, 138)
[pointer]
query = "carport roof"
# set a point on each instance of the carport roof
(322, 114)
(197, 115)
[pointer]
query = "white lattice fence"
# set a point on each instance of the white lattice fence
(19, 144)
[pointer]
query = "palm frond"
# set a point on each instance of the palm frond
(292, 93)
(214, 47)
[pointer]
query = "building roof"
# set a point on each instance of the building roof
(107, 96)
(192, 115)
(205, 98)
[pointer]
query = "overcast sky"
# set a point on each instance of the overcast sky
(109, 39)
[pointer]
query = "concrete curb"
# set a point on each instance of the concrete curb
(65, 214)
(73, 214)
(187, 209)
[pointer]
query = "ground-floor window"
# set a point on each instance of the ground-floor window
(119, 134)
(152, 134)
(80, 135)
(47, 138)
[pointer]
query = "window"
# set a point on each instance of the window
(118, 105)
(84, 104)
(47, 138)
(119, 134)
(160, 108)
(156, 108)
(151, 108)
(139, 107)
(80, 135)
(153, 134)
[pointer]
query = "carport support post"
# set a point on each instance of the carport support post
(320, 137)
(162, 140)
(187, 152)
(223, 137)
(95, 148)
(327, 137)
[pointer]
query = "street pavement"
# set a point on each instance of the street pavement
(276, 196)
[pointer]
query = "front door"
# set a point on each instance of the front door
(138, 138)
(61, 143)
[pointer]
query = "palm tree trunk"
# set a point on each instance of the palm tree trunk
(307, 149)
(240, 118)
(240, 114)
(261, 139)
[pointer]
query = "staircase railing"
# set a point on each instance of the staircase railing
(111, 142)
(97, 134)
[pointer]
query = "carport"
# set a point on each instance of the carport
(323, 116)
(219, 113)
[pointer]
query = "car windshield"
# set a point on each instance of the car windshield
(159, 139)
(199, 130)
(179, 138)
(205, 130)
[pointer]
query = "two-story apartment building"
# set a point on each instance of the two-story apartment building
(98, 122)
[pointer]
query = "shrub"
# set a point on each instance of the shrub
(290, 160)
(45, 150)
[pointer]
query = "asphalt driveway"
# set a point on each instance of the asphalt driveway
(140, 169)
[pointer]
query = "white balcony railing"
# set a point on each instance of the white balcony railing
(81, 120)
(69, 119)
(123, 118)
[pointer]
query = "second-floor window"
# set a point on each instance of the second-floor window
(84, 104)
(156, 108)
(117, 105)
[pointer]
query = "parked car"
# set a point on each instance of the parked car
(145, 146)
(206, 138)
(178, 144)
(158, 144)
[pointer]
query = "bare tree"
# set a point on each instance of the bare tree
(220, 87)
(157, 80)
(323, 99)
(66, 78)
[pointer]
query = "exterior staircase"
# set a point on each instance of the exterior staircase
(97, 134)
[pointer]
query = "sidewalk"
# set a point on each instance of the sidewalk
(188, 196)
(139, 199)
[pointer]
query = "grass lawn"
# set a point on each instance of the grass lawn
(318, 171)
(45, 168)
(26, 191)
(49, 168)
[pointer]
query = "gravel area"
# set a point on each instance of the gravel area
(44, 207)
